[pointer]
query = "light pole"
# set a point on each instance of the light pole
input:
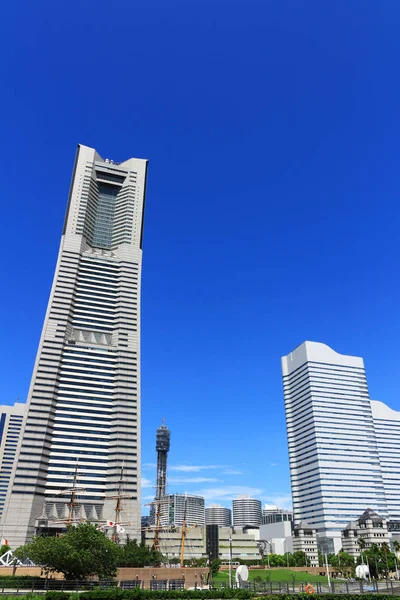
(286, 552)
(230, 557)
(327, 569)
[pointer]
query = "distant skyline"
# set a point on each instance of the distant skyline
(272, 132)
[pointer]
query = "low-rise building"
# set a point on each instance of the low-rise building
(170, 541)
(370, 527)
(278, 537)
(273, 514)
(244, 543)
(305, 540)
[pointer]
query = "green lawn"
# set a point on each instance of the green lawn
(275, 575)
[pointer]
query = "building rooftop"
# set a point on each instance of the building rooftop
(370, 514)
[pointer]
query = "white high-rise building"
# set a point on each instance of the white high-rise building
(218, 515)
(247, 512)
(84, 398)
(11, 422)
(334, 460)
(176, 508)
(387, 430)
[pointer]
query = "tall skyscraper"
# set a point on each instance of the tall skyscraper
(333, 452)
(246, 512)
(387, 430)
(84, 398)
(11, 421)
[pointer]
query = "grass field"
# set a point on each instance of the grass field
(274, 575)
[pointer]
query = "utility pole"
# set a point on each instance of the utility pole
(327, 569)
(230, 557)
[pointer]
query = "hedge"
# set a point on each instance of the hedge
(138, 594)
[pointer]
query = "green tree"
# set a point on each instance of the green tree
(396, 546)
(300, 559)
(4, 548)
(82, 552)
(386, 552)
(133, 554)
(215, 565)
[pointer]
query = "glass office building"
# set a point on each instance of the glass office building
(335, 463)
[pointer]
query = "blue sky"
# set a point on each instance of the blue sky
(272, 130)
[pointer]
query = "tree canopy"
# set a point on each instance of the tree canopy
(83, 551)
(380, 559)
(133, 554)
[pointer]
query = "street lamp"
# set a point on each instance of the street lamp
(230, 557)
(286, 552)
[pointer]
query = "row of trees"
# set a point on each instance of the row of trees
(380, 559)
(85, 551)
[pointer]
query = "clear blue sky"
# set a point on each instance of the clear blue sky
(273, 132)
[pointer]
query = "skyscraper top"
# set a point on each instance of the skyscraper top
(319, 353)
(106, 200)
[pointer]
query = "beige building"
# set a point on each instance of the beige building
(83, 409)
(170, 540)
(244, 543)
(369, 526)
(305, 540)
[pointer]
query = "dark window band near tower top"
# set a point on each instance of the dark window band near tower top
(83, 412)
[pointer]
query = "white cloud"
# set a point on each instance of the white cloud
(273, 464)
(283, 499)
(150, 497)
(146, 483)
(191, 479)
(147, 466)
(229, 492)
(232, 472)
(194, 468)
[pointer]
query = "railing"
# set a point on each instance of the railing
(38, 585)
(386, 586)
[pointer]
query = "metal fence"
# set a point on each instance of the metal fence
(45, 585)
(390, 587)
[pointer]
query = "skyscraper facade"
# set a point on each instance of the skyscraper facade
(246, 512)
(273, 514)
(11, 422)
(333, 451)
(387, 430)
(218, 515)
(84, 398)
(177, 508)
